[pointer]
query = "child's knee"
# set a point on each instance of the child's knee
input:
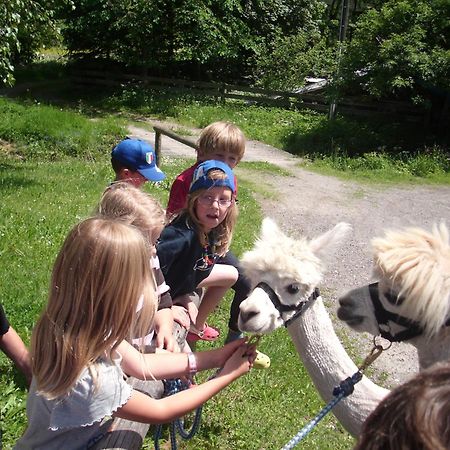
(232, 275)
(222, 275)
(228, 275)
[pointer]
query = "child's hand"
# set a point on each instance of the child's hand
(229, 349)
(187, 308)
(181, 315)
(166, 340)
(241, 361)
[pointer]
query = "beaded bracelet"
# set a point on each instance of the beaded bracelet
(192, 363)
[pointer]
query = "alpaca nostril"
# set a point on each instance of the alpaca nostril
(246, 316)
(345, 302)
(341, 314)
(345, 309)
(346, 314)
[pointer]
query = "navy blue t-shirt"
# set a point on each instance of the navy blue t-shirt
(4, 324)
(183, 260)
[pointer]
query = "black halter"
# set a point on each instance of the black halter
(383, 316)
(281, 308)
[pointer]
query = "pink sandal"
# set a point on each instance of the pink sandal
(207, 334)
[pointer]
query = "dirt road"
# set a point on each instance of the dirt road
(308, 204)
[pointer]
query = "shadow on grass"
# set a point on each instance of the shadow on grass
(356, 136)
(13, 177)
(19, 380)
(51, 83)
(316, 136)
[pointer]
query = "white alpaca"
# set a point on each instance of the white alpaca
(289, 270)
(411, 300)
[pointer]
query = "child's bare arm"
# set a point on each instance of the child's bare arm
(142, 408)
(171, 365)
(15, 349)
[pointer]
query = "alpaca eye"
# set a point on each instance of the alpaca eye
(393, 299)
(293, 288)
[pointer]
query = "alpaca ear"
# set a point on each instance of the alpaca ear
(325, 244)
(269, 229)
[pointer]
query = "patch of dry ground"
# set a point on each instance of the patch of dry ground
(308, 204)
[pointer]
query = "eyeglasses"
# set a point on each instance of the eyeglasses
(209, 200)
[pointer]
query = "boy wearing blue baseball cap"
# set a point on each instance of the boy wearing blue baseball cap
(134, 161)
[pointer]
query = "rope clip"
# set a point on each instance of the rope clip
(376, 351)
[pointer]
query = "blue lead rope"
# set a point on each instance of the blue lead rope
(345, 388)
(172, 387)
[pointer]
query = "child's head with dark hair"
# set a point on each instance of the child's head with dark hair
(415, 415)
(134, 161)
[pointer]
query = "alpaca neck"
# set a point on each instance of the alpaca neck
(328, 364)
(432, 350)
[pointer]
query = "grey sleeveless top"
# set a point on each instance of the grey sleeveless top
(80, 418)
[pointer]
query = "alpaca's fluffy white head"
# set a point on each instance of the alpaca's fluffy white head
(276, 256)
(283, 262)
(416, 264)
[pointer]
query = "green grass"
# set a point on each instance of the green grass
(432, 167)
(40, 202)
(45, 132)
(182, 131)
(43, 196)
(54, 164)
(264, 166)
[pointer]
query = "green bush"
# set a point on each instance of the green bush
(285, 62)
(400, 49)
(428, 163)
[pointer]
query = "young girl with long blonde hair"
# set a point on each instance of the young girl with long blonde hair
(123, 201)
(78, 348)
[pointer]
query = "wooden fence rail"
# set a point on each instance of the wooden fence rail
(252, 95)
(159, 131)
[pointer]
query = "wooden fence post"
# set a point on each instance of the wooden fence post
(158, 147)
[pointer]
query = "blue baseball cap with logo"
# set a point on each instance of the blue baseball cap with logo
(200, 178)
(140, 156)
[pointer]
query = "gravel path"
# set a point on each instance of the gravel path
(306, 203)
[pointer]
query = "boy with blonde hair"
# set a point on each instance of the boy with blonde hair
(221, 141)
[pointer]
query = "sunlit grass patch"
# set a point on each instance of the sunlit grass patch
(431, 167)
(265, 166)
(47, 132)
